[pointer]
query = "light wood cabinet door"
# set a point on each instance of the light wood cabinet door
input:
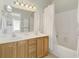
(40, 47)
(22, 47)
(26, 49)
(45, 47)
(0, 51)
(9, 50)
(32, 48)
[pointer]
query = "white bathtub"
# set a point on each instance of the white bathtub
(63, 52)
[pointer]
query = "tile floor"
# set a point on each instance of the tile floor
(51, 56)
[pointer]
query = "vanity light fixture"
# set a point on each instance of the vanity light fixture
(16, 2)
(24, 5)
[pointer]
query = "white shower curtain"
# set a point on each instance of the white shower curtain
(49, 26)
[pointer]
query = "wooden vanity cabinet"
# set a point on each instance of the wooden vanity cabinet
(0, 51)
(31, 48)
(22, 49)
(42, 46)
(8, 50)
(45, 46)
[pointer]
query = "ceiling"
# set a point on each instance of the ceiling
(61, 5)
(41, 3)
(64, 5)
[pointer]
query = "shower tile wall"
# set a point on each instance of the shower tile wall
(66, 26)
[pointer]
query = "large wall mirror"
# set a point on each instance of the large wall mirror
(17, 20)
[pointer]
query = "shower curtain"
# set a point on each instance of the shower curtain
(49, 26)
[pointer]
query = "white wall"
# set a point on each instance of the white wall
(66, 27)
(78, 31)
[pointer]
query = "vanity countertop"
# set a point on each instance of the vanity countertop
(7, 39)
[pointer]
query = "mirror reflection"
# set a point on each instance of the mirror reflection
(16, 20)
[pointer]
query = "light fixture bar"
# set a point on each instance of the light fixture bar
(23, 5)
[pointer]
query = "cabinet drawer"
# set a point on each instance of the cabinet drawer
(33, 46)
(9, 44)
(21, 43)
(32, 41)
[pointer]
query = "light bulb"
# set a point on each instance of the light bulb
(22, 4)
(34, 7)
(26, 6)
(17, 3)
(30, 7)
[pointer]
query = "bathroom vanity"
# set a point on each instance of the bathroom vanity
(31, 47)
(16, 39)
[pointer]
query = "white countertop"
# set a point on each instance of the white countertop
(8, 38)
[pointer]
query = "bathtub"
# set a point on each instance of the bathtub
(64, 52)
